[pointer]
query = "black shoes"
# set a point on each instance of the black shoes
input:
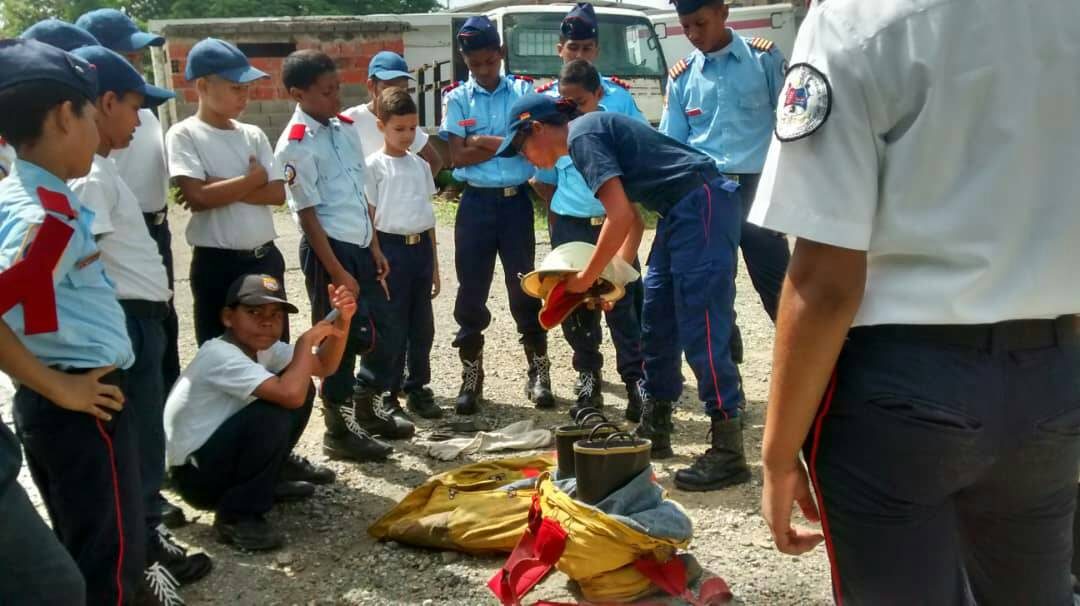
(182, 568)
(290, 492)
(371, 414)
(656, 425)
(249, 533)
(635, 395)
(472, 383)
(171, 515)
(587, 390)
(538, 389)
(722, 465)
(298, 469)
(158, 587)
(421, 402)
(346, 439)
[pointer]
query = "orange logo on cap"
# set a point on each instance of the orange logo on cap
(524, 116)
(269, 283)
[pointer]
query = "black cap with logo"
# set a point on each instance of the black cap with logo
(258, 289)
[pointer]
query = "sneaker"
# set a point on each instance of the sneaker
(249, 533)
(289, 492)
(298, 469)
(158, 588)
(422, 403)
(183, 568)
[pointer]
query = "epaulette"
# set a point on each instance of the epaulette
(546, 87)
(345, 119)
(761, 44)
(55, 202)
(622, 83)
(678, 69)
(451, 86)
(297, 132)
(522, 78)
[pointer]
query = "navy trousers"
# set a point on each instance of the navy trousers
(690, 297)
(960, 460)
(213, 270)
(87, 472)
(163, 237)
(412, 267)
(235, 471)
(582, 328)
(373, 331)
(489, 224)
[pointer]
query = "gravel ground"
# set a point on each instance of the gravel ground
(330, 559)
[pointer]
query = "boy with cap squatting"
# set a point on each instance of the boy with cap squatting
(399, 188)
(138, 274)
(386, 70)
(721, 100)
(576, 215)
(690, 284)
(241, 406)
(579, 38)
(86, 467)
(495, 215)
(323, 164)
(226, 174)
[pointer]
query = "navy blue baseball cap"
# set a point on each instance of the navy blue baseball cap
(685, 7)
(213, 57)
(24, 61)
(117, 75)
(533, 108)
(477, 33)
(117, 31)
(388, 65)
(60, 34)
(580, 23)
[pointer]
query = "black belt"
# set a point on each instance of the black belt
(505, 192)
(1013, 335)
(707, 176)
(151, 310)
(117, 377)
(590, 221)
(406, 239)
(257, 253)
(156, 218)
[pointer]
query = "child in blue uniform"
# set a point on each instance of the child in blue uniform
(86, 467)
(690, 284)
(495, 216)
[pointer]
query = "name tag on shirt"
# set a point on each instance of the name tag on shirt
(693, 112)
(469, 122)
(87, 260)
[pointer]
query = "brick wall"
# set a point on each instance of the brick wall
(350, 43)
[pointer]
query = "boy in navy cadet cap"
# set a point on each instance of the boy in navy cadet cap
(86, 467)
(225, 171)
(60, 34)
(495, 216)
(138, 273)
(690, 285)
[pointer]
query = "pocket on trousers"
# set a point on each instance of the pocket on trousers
(926, 415)
(1065, 426)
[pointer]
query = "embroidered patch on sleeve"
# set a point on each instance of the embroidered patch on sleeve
(805, 103)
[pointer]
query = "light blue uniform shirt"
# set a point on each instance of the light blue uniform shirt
(472, 110)
(92, 330)
(573, 198)
(724, 104)
(323, 168)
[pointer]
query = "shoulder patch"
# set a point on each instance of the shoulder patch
(761, 44)
(55, 202)
(297, 132)
(622, 83)
(546, 87)
(345, 119)
(805, 103)
(522, 78)
(451, 86)
(678, 69)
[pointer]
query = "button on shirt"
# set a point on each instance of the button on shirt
(656, 170)
(324, 170)
(92, 330)
(948, 156)
(142, 163)
(724, 104)
(473, 110)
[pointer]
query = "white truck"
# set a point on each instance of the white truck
(774, 22)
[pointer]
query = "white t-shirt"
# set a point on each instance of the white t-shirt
(400, 190)
(371, 139)
(130, 255)
(948, 156)
(200, 151)
(7, 159)
(142, 163)
(220, 381)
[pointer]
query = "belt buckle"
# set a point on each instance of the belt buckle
(734, 178)
(596, 221)
(260, 252)
(510, 192)
(412, 239)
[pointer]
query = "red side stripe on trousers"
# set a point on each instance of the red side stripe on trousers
(823, 411)
(708, 325)
(119, 516)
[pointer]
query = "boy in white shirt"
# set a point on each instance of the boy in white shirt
(242, 404)
(399, 188)
(221, 167)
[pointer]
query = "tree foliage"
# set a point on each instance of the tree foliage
(17, 15)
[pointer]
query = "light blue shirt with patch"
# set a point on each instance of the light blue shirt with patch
(92, 331)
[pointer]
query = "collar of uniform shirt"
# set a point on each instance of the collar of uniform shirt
(313, 125)
(736, 48)
(503, 83)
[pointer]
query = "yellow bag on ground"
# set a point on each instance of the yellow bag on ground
(466, 509)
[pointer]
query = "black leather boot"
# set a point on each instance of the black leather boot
(538, 389)
(588, 392)
(472, 382)
(634, 395)
(722, 465)
(345, 439)
(373, 416)
(421, 402)
(656, 425)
